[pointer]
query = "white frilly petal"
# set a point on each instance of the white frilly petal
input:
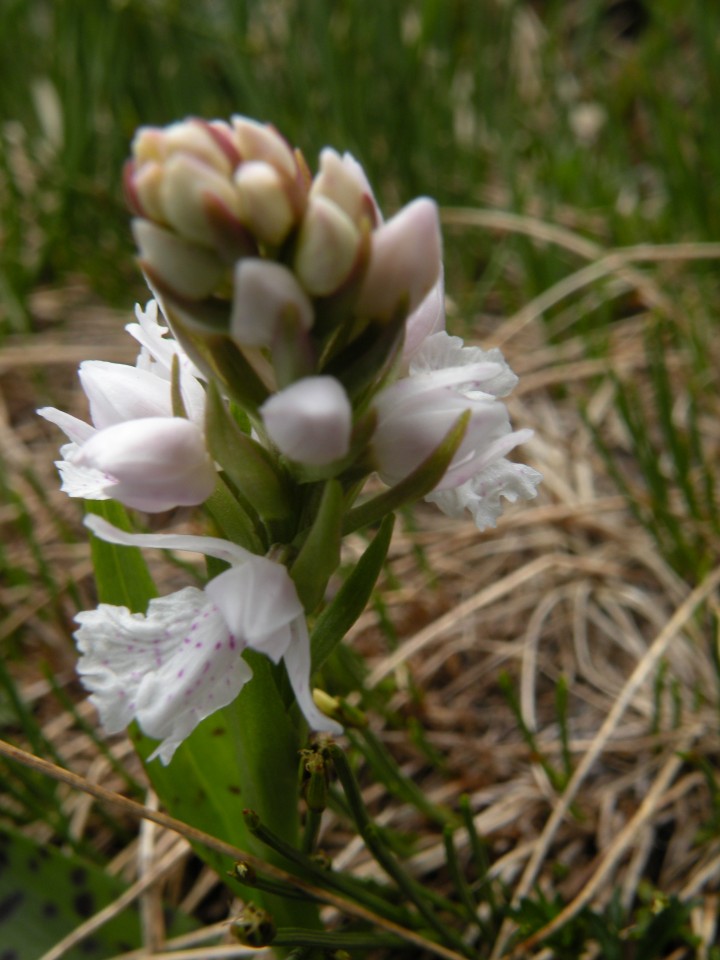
(182, 661)
(168, 669)
(441, 352)
(84, 482)
(481, 494)
(157, 353)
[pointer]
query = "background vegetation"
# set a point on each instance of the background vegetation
(564, 671)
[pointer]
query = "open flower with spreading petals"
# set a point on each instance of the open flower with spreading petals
(135, 450)
(181, 661)
(414, 414)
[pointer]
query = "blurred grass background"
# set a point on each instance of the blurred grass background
(551, 132)
(593, 113)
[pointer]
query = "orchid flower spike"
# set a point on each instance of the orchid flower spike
(172, 667)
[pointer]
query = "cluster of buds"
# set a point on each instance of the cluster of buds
(236, 236)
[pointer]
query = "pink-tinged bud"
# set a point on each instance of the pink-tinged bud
(405, 262)
(342, 180)
(328, 245)
(310, 421)
(264, 203)
(265, 294)
(144, 184)
(261, 141)
(184, 268)
(184, 186)
(190, 137)
(153, 464)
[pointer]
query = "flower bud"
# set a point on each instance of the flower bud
(261, 141)
(183, 191)
(142, 185)
(327, 248)
(195, 138)
(342, 180)
(265, 293)
(405, 262)
(183, 268)
(310, 421)
(264, 201)
(152, 464)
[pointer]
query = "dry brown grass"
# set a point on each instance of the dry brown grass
(569, 585)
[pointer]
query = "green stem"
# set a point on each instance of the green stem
(387, 770)
(310, 870)
(266, 746)
(298, 937)
(371, 834)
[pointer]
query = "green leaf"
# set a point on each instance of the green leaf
(418, 484)
(232, 519)
(247, 464)
(350, 600)
(319, 556)
(46, 894)
(206, 342)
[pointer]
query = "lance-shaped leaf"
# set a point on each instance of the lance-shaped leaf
(247, 464)
(350, 600)
(319, 555)
(365, 361)
(416, 485)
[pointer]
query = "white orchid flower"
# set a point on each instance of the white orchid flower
(135, 450)
(415, 413)
(181, 661)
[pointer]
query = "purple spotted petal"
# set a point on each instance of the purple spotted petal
(168, 669)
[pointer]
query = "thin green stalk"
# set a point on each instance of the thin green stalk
(307, 868)
(480, 855)
(459, 881)
(371, 834)
(297, 937)
(385, 769)
(245, 874)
